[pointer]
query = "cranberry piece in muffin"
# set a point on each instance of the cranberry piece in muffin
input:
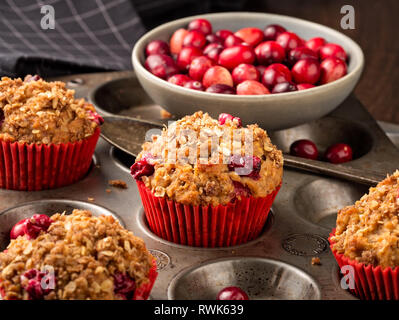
(124, 286)
(35, 285)
(31, 227)
(142, 167)
(248, 166)
(223, 117)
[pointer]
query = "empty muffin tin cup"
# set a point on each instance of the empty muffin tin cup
(206, 226)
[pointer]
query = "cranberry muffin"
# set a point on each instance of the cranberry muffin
(75, 256)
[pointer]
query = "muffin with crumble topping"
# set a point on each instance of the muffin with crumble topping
(206, 182)
(47, 137)
(76, 256)
(367, 237)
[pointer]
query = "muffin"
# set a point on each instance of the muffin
(367, 238)
(76, 256)
(208, 183)
(47, 137)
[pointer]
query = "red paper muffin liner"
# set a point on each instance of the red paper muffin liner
(143, 292)
(33, 167)
(371, 283)
(206, 226)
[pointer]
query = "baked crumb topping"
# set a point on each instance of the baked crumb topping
(36, 111)
(88, 254)
(368, 231)
(118, 184)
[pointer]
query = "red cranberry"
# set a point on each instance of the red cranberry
(141, 168)
(212, 38)
(232, 57)
(223, 33)
(272, 31)
(201, 25)
(247, 166)
(176, 41)
(315, 44)
(244, 72)
(232, 40)
(215, 75)
(195, 85)
(96, 117)
(269, 52)
(251, 87)
(288, 40)
(157, 47)
(283, 87)
(199, 66)
(306, 71)
(332, 50)
(213, 50)
(35, 289)
(261, 69)
(124, 286)
(339, 153)
(179, 79)
(161, 65)
(252, 36)
(35, 77)
(223, 117)
(301, 53)
(304, 149)
(220, 88)
(332, 69)
(187, 55)
(194, 39)
(31, 227)
(240, 190)
(274, 74)
(232, 293)
(304, 86)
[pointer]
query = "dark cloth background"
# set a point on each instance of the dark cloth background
(89, 36)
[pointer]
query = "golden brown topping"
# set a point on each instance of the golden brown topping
(118, 184)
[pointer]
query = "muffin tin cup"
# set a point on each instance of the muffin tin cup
(206, 226)
(33, 167)
(371, 283)
(143, 292)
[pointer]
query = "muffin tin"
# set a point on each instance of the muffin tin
(277, 265)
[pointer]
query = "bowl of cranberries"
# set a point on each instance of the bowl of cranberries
(274, 70)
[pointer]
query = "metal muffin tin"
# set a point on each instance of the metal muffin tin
(277, 265)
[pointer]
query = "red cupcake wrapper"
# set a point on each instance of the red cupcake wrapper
(206, 226)
(371, 283)
(33, 167)
(143, 292)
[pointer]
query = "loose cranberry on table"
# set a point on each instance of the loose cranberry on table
(300, 53)
(176, 41)
(194, 39)
(284, 87)
(339, 153)
(157, 47)
(232, 293)
(244, 72)
(198, 67)
(306, 71)
(195, 85)
(247, 166)
(304, 86)
(223, 33)
(332, 50)
(332, 69)
(161, 65)
(223, 117)
(217, 75)
(201, 25)
(213, 50)
(31, 227)
(213, 38)
(272, 31)
(269, 52)
(221, 88)
(232, 40)
(179, 79)
(187, 55)
(305, 149)
(252, 36)
(251, 87)
(315, 44)
(288, 40)
(274, 74)
(142, 168)
(232, 57)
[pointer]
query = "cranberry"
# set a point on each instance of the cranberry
(252, 36)
(232, 293)
(272, 31)
(305, 149)
(223, 117)
(315, 44)
(232, 40)
(199, 66)
(283, 87)
(248, 166)
(251, 87)
(142, 168)
(179, 79)
(212, 38)
(288, 40)
(332, 69)
(244, 72)
(161, 65)
(194, 39)
(274, 74)
(34, 287)
(96, 117)
(30, 78)
(157, 47)
(213, 50)
(306, 71)
(176, 41)
(304, 86)
(195, 85)
(217, 74)
(339, 153)
(269, 52)
(31, 227)
(332, 50)
(124, 286)
(220, 88)
(261, 69)
(232, 57)
(223, 33)
(240, 190)
(187, 55)
(300, 53)
(201, 25)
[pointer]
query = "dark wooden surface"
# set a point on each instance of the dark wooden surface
(376, 31)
